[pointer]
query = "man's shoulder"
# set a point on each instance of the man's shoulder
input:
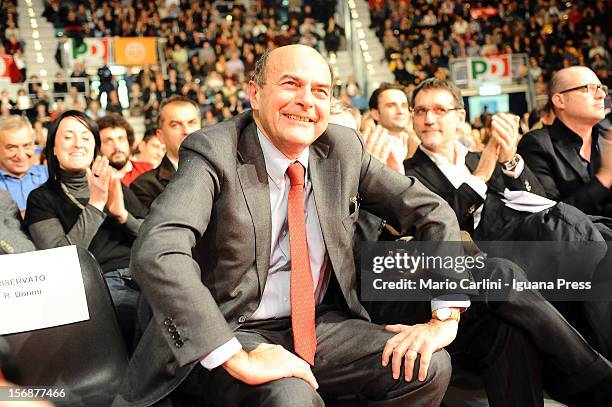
(146, 178)
(219, 136)
(341, 139)
(539, 138)
(39, 169)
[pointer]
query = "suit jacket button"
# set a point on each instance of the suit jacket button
(472, 209)
(178, 343)
(175, 335)
(241, 319)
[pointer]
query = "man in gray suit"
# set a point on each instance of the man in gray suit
(215, 254)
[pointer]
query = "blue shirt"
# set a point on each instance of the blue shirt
(20, 188)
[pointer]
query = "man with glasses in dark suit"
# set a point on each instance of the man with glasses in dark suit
(572, 158)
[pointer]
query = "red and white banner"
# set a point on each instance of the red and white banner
(92, 52)
(493, 70)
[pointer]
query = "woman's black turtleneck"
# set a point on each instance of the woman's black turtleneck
(58, 214)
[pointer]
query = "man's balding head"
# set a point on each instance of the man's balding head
(572, 103)
(290, 95)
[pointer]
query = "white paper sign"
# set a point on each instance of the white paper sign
(41, 289)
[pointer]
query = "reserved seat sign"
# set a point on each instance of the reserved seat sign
(41, 289)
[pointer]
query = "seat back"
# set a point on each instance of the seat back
(87, 359)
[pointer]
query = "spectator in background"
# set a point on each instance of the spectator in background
(117, 138)
(94, 110)
(84, 203)
(392, 139)
(150, 149)
(178, 117)
(75, 100)
(113, 104)
(572, 160)
(17, 174)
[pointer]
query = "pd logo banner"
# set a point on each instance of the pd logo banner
(135, 50)
(495, 70)
(93, 52)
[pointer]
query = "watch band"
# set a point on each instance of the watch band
(511, 164)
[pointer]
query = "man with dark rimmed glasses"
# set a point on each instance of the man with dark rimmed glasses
(572, 158)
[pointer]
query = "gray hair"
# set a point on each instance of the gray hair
(14, 122)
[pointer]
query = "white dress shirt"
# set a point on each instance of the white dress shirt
(458, 173)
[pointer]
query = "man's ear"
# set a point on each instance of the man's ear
(253, 93)
(461, 114)
(558, 101)
(375, 115)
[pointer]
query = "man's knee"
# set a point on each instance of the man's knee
(289, 392)
(440, 369)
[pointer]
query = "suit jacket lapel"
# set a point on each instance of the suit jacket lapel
(254, 181)
(565, 148)
(428, 173)
(325, 177)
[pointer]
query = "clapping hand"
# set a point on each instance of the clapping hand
(505, 131)
(604, 172)
(115, 205)
(381, 145)
(98, 177)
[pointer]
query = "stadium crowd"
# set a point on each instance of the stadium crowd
(72, 171)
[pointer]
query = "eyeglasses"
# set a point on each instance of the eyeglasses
(421, 111)
(591, 88)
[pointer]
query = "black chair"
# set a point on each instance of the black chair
(87, 359)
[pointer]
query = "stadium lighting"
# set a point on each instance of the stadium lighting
(31, 12)
(489, 90)
(43, 72)
(35, 34)
(364, 45)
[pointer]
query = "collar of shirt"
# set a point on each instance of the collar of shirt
(439, 159)
(33, 170)
(277, 163)
(174, 164)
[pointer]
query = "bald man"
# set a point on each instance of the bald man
(572, 158)
(253, 285)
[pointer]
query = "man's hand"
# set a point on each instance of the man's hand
(487, 162)
(266, 363)
(604, 172)
(505, 131)
(385, 148)
(412, 340)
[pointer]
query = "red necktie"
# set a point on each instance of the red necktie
(302, 291)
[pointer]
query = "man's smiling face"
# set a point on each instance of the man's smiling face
(292, 107)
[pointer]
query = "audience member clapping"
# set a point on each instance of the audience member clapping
(84, 203)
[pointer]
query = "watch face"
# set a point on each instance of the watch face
(444, 314)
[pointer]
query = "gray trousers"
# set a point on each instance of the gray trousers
(348, 361)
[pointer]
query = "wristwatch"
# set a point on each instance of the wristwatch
(444, 314)
(511, 164)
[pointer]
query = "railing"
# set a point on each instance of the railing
(352, 29)
(47, 86)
